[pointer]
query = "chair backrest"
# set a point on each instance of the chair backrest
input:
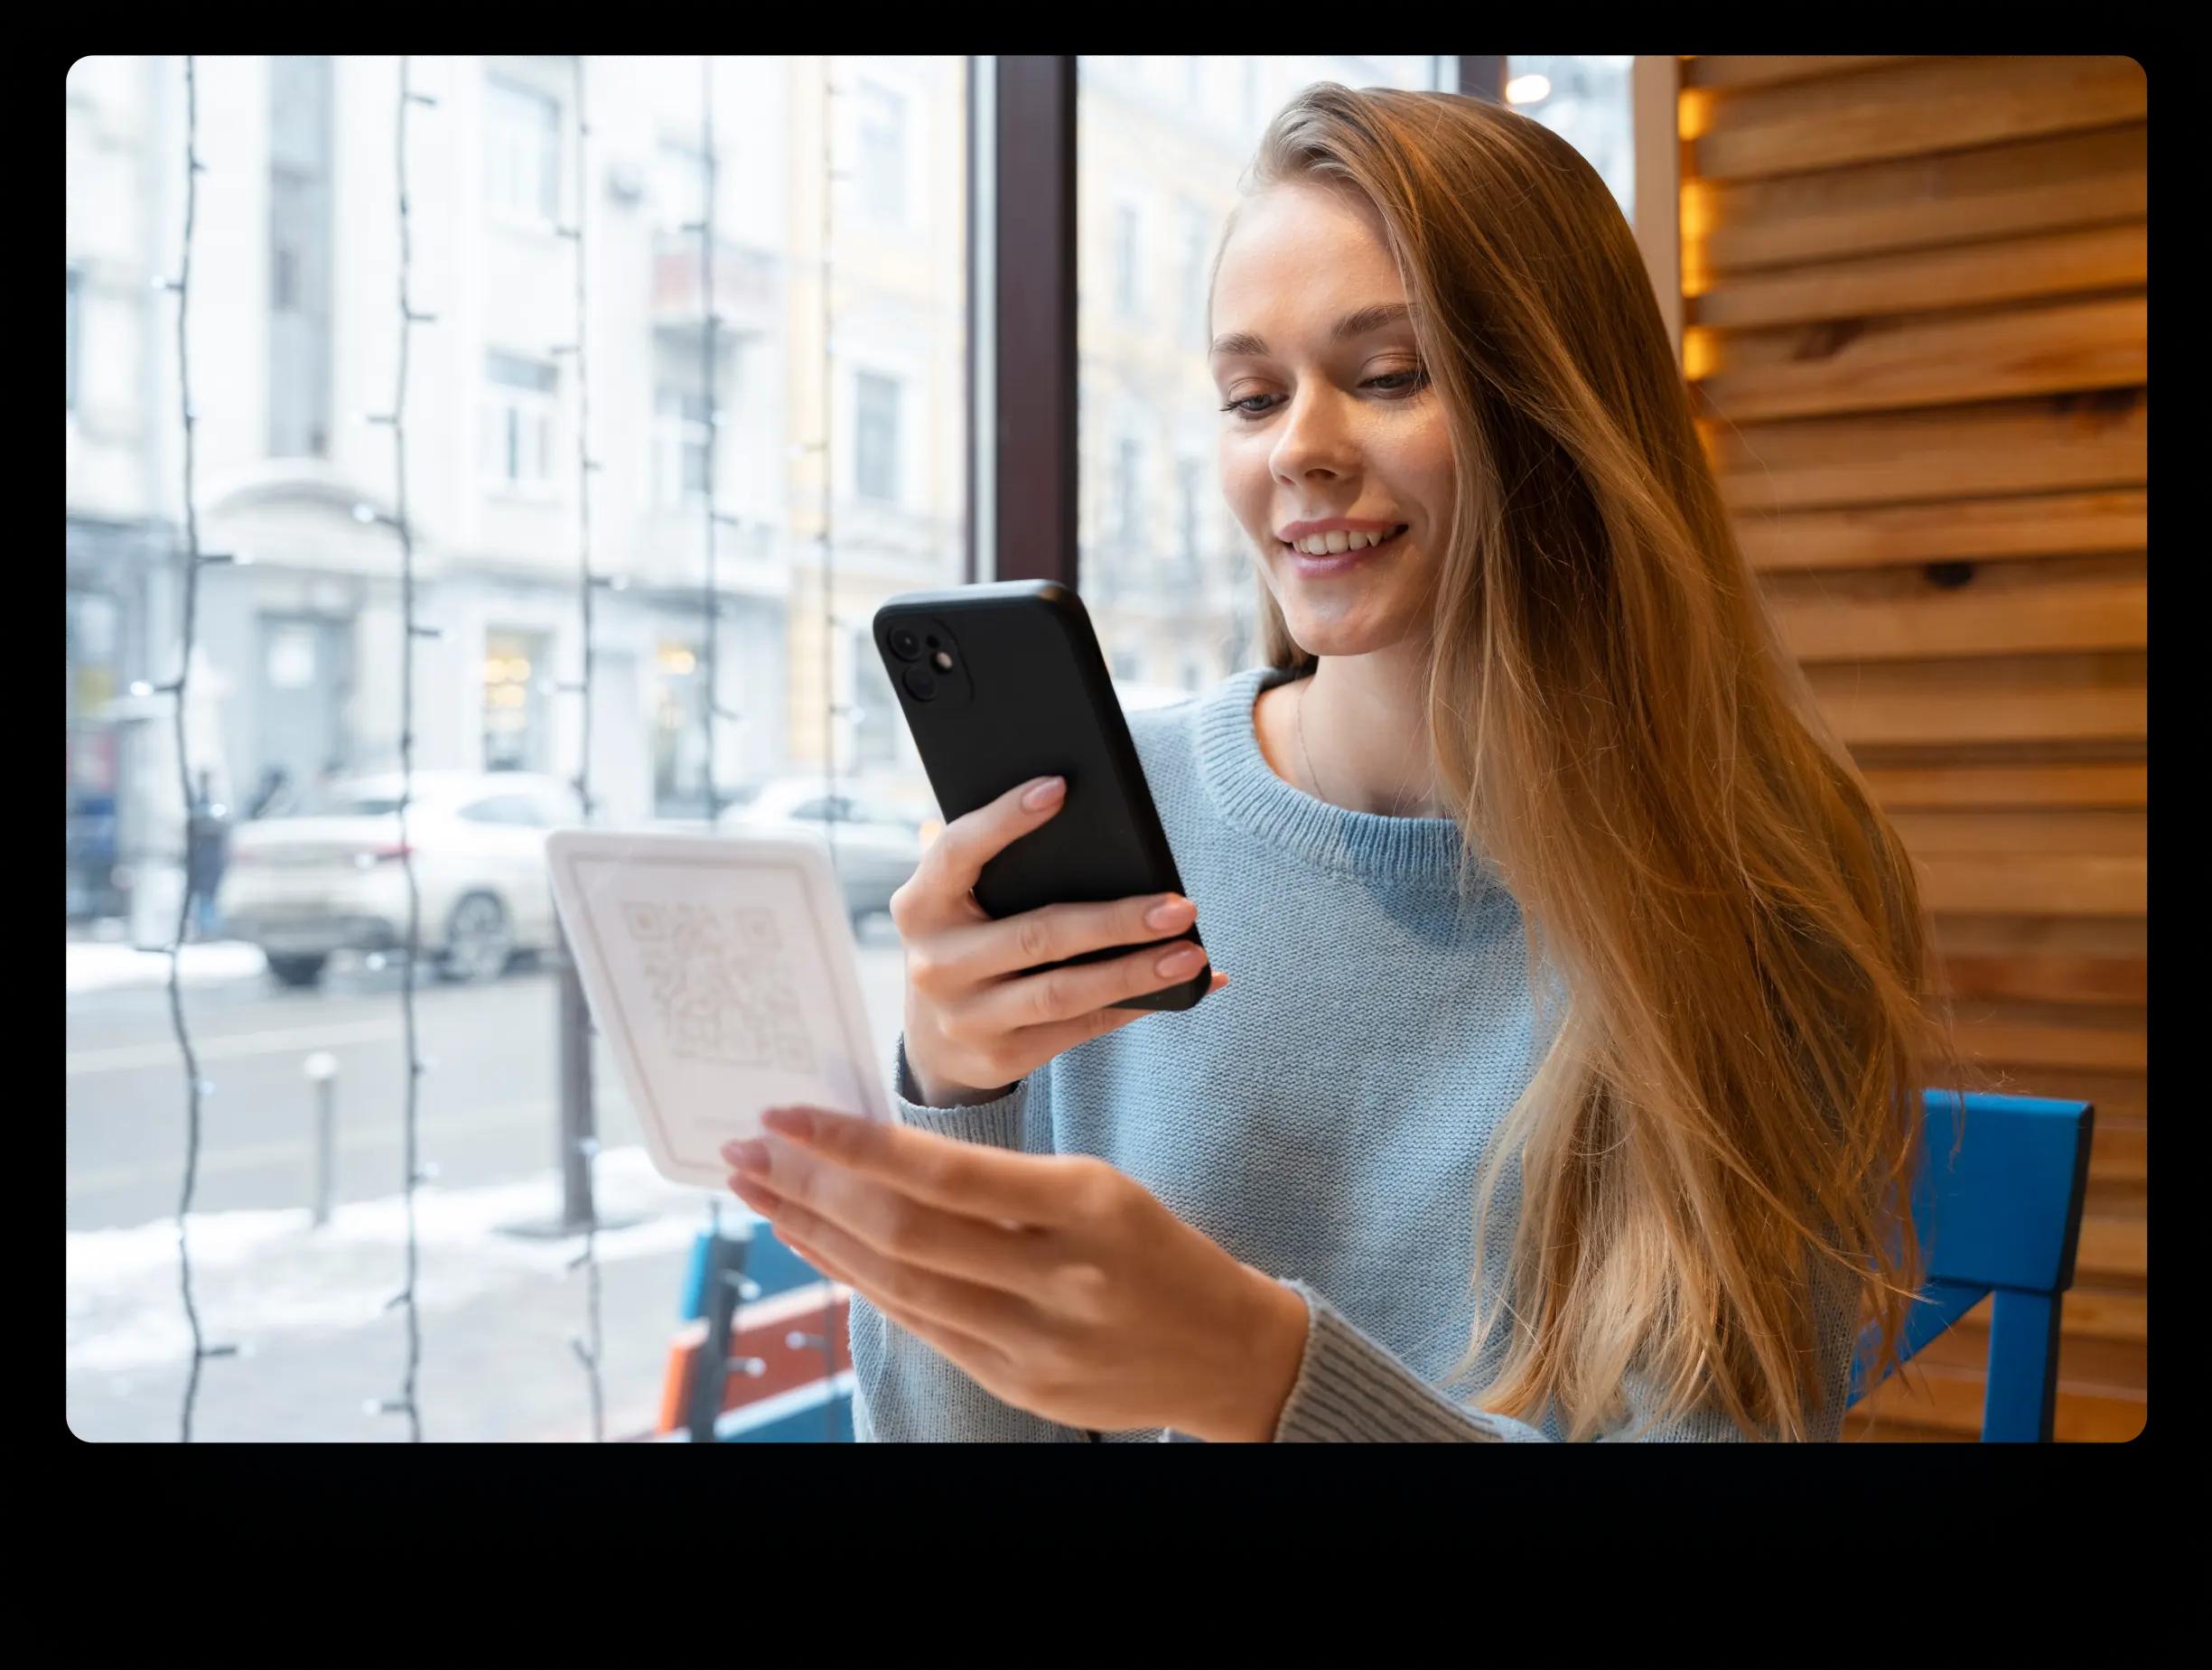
(1998, 1207)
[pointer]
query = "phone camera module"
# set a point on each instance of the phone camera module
(905, 645)
(919, 683)
(942, 660)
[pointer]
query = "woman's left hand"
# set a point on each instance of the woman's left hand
(1056, 1282)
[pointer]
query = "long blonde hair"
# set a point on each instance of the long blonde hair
(1730, 1110)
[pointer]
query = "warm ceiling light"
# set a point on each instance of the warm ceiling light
(1528, 90)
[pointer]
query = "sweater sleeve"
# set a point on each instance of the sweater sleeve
(903, 1390)
(1351, 1390)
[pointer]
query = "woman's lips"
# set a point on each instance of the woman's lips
(1342, 561)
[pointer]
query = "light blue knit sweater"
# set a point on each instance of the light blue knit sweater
(1323, 1116)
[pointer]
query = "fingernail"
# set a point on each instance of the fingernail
(788, 1120)
(1181, 961)
(1172, 912)
(1043, 793)
(749, 1157)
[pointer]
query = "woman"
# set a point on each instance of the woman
(1575, 1065)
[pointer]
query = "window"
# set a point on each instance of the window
(1197, 238)
(682, 437)
(1584, 97)
(1129, 493)
(300, 349)
(679, 739)
(517, 736)
(1126, 286)
(1189, 484)
(294, 278)
(875, 439)
(519, 415)
(71, 350)
(882, 153)
(680, 185)
(877, 726)
(522, 152)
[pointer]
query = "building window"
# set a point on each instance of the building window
(1129, 492)
(1584, 97)
(680, 729)
(522, 152)
(516, 735)
(681, 437)
(1196, 230)
(680, 185)
(300, 208)
(882, 153)
(72, 349)
(518, 413)
(876, 726)
(875, 442)
(1126, 289)
(1189, 487)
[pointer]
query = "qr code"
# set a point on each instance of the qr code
(720, 983)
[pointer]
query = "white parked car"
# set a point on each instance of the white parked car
(330, 877)
(877, 840)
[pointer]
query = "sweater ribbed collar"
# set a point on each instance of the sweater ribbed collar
(1416, 851)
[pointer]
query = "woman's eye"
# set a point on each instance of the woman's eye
(1389, 383)
(1397, 379)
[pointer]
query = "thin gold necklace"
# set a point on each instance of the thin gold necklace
(1311, 778)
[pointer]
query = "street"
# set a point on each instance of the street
(487, 1108)
(308, 1306)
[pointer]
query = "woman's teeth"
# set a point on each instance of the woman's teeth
(1336, 544)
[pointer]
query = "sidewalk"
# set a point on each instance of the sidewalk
(99, 966)
(308, 1306)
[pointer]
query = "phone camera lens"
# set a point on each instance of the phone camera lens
(919, 683)
(904, 644)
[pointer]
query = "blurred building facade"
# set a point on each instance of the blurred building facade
(293, 338)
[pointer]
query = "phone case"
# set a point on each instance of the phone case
(1027, 695)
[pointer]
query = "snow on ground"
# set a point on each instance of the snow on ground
(94, 967)
(268, 1272)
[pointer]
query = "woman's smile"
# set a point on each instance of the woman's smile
(1309, 565)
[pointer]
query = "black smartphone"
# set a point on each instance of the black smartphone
(1002, 682)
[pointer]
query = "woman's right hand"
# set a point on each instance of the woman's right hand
(975, 1023)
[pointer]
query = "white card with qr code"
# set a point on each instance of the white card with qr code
(720, 971)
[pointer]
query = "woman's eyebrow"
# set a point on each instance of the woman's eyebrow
(1360, 323)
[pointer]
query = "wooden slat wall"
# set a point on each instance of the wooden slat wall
(1915, 317)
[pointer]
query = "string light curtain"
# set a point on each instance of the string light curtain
(413, 1172)
(178, 691)
(589, 1351)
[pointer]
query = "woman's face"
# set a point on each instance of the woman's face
(1328, 429)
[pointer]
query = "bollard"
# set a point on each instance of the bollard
(322, 1069)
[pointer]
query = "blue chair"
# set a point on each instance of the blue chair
(1999, 1216)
